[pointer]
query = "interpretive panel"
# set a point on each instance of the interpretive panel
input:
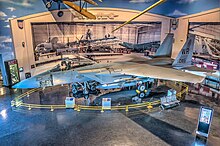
(204, 122)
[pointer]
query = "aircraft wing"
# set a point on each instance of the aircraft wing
(77, 8)
(53, 7)
(160, 73)
(91, 2)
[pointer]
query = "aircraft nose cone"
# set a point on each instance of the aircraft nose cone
(20, 85)
(27, 83)
(16, 85)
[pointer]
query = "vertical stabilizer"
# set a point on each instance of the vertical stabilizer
(184, 58)
(165, 48)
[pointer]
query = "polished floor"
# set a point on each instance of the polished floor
(175, 126)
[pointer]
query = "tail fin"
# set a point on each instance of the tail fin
(165, 48)
(184, 57)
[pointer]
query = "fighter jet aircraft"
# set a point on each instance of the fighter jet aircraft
(141, 47)
(134, 66)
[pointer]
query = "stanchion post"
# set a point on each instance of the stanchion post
(149, 106)
(29, 107)
(78, 108)
(75, 107)
(51, 109)
(102, 110)
(126, 108)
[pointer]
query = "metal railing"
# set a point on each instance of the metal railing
(17, 102)
(122, 107)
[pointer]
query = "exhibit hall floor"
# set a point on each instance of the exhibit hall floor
(141, 127)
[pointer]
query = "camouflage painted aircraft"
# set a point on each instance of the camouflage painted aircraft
(141, 47)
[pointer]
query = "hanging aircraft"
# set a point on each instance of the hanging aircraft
(82, 8)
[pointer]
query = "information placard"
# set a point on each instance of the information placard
(106, 103)
(70, 102)
(204, 122)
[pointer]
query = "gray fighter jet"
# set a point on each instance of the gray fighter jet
(134, 66)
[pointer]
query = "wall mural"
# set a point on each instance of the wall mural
(56, 39)
(207, 44)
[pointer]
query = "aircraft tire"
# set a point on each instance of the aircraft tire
(141, 88)
(142, 95)
(71, 94)
(86, 96)
(74, 89)
(93, 88)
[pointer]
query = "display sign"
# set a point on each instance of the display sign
(106, 103)
(12, 70)
(70, 102)
(204, 122)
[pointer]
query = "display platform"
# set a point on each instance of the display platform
(56, 98)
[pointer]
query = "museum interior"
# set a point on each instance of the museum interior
(110, 72)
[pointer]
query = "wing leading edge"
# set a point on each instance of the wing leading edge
(157, 72)
(77, 8)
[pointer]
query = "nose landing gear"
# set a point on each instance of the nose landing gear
(84, 89)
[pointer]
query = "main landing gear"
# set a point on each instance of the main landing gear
(84, 89)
